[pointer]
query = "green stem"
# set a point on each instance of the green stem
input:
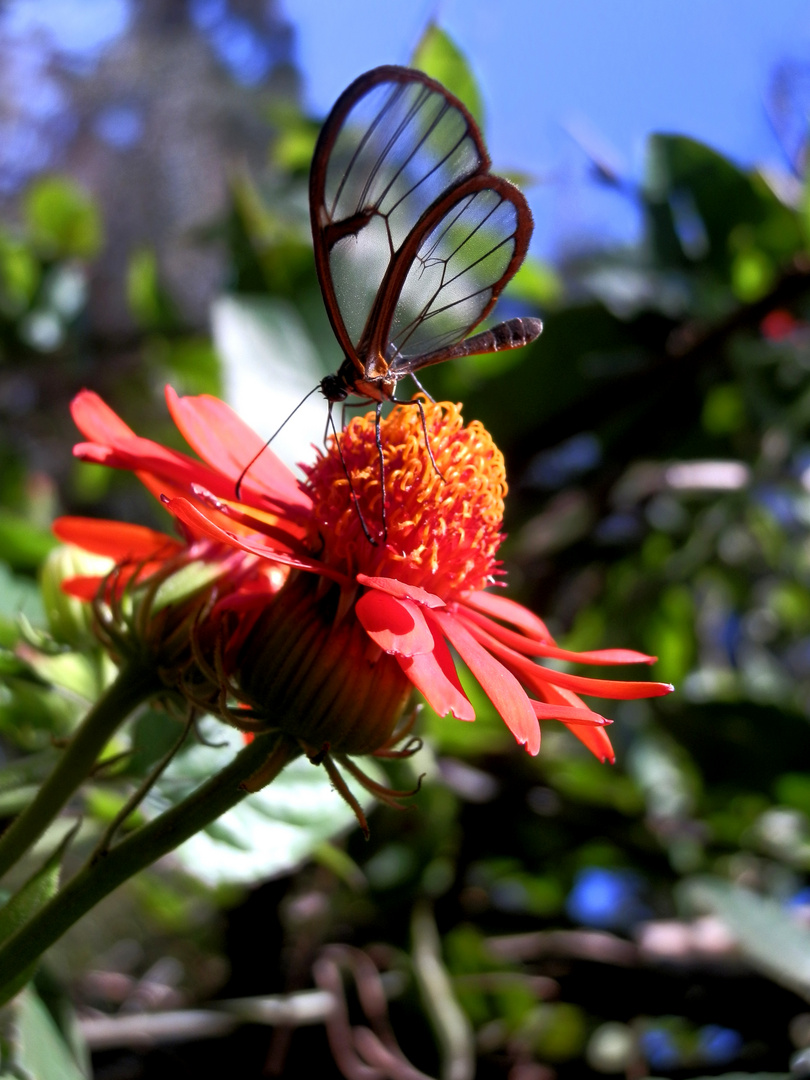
(140, 849)
(134, 684)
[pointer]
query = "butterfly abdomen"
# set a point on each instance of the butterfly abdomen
(512, 334)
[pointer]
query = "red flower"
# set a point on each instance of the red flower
(327, 631)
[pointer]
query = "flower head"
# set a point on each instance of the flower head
(318, 630)
(444, 501)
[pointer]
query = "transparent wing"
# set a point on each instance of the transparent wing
(393, 145)
(459, 267)
(414, 238)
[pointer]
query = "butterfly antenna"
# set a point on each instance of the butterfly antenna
(259, 452)
(381, 456)
(330, 424)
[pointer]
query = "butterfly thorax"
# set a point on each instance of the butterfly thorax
(377, 383)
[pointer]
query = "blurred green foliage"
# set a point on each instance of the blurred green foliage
(657, 445)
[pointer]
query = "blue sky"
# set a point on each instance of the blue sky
(613, 69)
(609, 71)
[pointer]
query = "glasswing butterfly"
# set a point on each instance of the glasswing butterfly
(414, 238)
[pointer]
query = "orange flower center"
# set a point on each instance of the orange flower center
(442, 520)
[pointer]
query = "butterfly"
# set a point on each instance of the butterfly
(414, 237)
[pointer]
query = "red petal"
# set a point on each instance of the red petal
(82, 588)
(221, 438)
(624, 689)
(397, 626)
(118, 540)
(510, 611)
(595, 738)
(434, 676)
(189, 514)
(142, 455)
(96, 420)
(568, 714)
(533, 647)
(163, 471)
(283, 531)
(539, 677)
(499, 684)
(402, 591)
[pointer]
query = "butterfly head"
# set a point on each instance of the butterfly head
(334, 387)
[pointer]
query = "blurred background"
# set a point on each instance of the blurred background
(526, 918)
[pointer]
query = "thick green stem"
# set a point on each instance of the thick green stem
(133, 685)
(140, 849)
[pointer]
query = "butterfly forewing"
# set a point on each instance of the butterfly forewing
(399, 148)
(393, 145)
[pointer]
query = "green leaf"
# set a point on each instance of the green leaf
(33, 895)
(341, 864)
(556, 1030)
(752, 274)
(769, 937)
(183, 584)
(70, 620)
(293, 149)
(269, 236)
(704, 208)
(294, 144)
(154, 733)
(12, 666)
(148, 300)
(587, 781)
(268, 833)
(28, 771)
(62, 218)
(18, 596)
(723, 409)
(804, 210)
(22, 544)
(39, 1050)
(793, 789)
(191, 364)
(76, 674)
(19, 276)
(536, 282)
(439, 56)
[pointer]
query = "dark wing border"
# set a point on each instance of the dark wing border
(321, 228)
(376, 336)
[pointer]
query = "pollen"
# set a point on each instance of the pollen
(443, 486)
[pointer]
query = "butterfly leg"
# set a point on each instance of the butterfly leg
(436, 468)
(421, 388)
(381, 456)
(420, 406)
(331, 424)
